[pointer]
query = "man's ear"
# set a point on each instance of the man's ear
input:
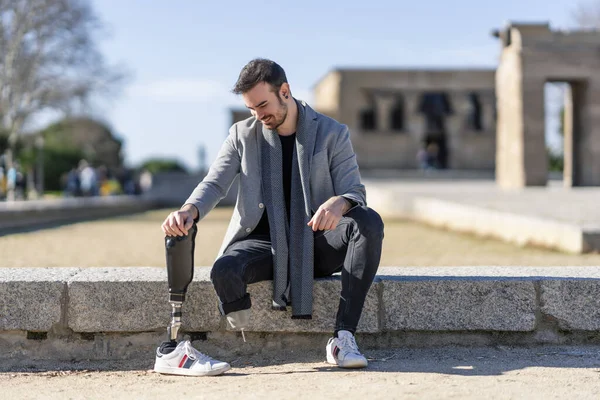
(285, 90)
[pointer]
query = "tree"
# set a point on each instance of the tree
(156, 165)
(57, 160)
(68, 141)
(48, 60)
(92, 138)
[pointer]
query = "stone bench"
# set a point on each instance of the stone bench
(515, 304)
(417, 299)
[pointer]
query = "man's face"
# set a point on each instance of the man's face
(266, 105)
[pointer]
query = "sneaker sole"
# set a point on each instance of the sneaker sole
(188, 372)
(356, 364)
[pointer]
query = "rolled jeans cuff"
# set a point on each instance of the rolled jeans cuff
(241, 304)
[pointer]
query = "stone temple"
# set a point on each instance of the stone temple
(393, 114)
(475, 119)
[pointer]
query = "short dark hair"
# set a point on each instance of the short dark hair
(260, 70)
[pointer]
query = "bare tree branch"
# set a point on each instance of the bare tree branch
(587, 14)
(48, 59)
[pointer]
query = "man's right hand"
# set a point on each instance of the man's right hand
(178, 223)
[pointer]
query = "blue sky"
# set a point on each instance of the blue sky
(185, 56)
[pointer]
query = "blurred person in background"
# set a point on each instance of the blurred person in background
(72, 184)
(145, 181)
(15, 182)
(109, 184)
(88, 179)
(2, 184)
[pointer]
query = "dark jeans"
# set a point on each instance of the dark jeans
(353, 247)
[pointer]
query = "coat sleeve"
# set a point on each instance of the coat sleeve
(344, 170)
(220, 176)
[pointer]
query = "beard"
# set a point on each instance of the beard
(276, 120)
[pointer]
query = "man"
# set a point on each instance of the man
(301, 210)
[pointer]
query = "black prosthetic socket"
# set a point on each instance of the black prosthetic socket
(180, 263)
(180, 272)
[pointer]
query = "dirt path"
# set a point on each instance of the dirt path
(138, 241)
(440, 373)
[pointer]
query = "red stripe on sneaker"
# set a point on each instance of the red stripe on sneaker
(183, 360)
(336, 351)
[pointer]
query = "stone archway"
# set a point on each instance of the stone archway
(533, 54)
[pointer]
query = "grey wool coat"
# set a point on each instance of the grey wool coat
(333, 171)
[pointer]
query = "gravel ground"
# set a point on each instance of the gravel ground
(138, 241)
(437, 373)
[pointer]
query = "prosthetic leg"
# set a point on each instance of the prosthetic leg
(181, 358)
(180, 272)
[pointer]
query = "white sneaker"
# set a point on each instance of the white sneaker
(343, 351)
(186, 360)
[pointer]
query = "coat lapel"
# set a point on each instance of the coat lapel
(259, 137)
(305, 141)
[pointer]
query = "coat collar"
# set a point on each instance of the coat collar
(306, 138)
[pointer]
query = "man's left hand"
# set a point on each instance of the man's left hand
(329, 214)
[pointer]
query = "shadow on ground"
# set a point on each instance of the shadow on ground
(485, 361)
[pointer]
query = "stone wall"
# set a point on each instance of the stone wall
(171, 189)
(34, 214)
(80, 312)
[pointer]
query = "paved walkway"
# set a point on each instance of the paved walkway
(438, 373)
(576, 205)
(553, 217)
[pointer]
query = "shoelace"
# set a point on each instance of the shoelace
(348, 343)
(195, 354)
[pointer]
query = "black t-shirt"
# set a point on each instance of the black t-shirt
(287, 153)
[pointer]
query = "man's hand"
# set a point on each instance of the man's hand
(329, 214)
(179, 222)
